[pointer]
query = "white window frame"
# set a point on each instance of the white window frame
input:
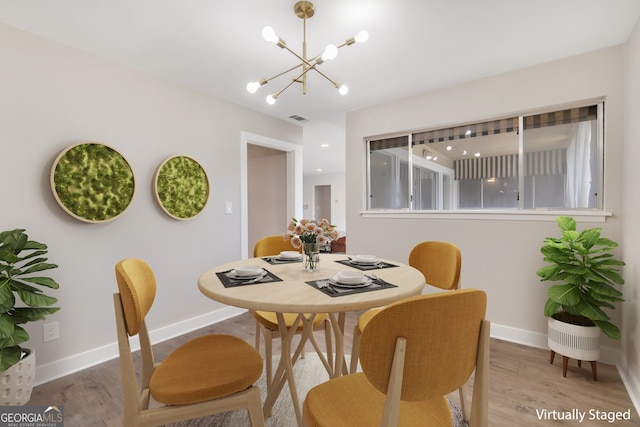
(597, 214)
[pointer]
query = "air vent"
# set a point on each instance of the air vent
(299, 118)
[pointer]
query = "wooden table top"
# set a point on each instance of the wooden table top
(293, 295)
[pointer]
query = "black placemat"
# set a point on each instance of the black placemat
(274, 260)
(229, 282)
(335, 291)
(366, 267)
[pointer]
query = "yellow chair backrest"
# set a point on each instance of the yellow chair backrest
(442, 333)
(440, 262)
(137, 287)
(272, 245)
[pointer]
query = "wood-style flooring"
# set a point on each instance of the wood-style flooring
(524, 389)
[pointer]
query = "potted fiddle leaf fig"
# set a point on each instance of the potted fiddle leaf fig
(585, 275)
(21, 294)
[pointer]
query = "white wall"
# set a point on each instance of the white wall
(338, 201)
(630, 217)
(332, 160)
(53, 96)
(500, 255)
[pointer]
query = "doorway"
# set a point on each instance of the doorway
(267, 195)
(293, 182)
(322, 202)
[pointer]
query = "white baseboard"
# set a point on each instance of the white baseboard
(78, 362)
(608, 355)
(631, 383)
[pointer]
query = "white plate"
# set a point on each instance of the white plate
(247, 270)
(236, 276)
(289, 255)
(364, 283)
(350, 276)
(365, 259)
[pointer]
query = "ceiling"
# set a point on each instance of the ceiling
(414, 46)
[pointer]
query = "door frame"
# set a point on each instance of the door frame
(294, 177)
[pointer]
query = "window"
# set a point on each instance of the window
(555, 162)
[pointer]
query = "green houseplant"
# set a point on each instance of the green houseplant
(20, 259)
(586, 273)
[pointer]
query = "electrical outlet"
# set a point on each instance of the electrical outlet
(50, 331)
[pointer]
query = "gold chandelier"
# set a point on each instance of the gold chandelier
(304, 10)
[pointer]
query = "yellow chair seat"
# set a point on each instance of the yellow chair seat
(366, 316)
(220, 365)
(352, 401)
(269, 320)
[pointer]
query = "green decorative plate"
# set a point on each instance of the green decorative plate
(92, 182)
(182, 187)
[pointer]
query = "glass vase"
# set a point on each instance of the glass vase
(311, 256)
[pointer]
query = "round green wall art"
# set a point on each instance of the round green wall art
(182, 187)
(92, 182)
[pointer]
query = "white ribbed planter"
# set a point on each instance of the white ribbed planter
(17, 381)
(574, 341)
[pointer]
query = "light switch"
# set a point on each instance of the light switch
(228, 208)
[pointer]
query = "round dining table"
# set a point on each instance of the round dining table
(288, 288)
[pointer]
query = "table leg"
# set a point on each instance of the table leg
(335, 366)
(285, 368)
(337, 323)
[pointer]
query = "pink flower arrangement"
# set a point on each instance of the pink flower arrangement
(306, 231)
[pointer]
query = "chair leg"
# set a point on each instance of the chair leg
(256, 417)
(463, 405)
(328, 343)
(268, 337)
(257, 336)
(355, 348)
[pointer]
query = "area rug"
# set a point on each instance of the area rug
(308, 373)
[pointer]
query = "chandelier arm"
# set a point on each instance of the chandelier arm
(280, 74)
(309, 63)
(336, 84)
(277, 94)
(296, 80)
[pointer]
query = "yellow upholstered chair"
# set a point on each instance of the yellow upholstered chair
(413, 353)
(207, 375)
(440, 263)
(267, 322)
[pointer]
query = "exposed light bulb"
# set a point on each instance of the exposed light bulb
(330, 52)
(449, 148)
(464, 152)
(435, 158)
(253, 87)
(468, 132)
(477, 154)
(362, 36)
(269, 34)
(343, 90)
(271, 99)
